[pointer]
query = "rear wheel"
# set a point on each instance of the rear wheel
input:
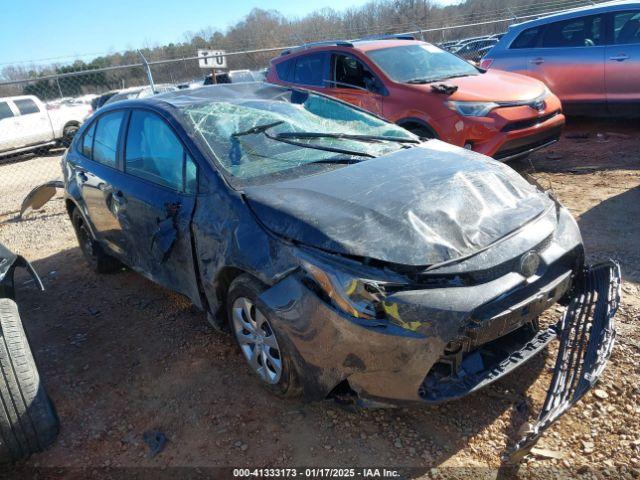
(28, 420)
(93, 253)
(265, 352)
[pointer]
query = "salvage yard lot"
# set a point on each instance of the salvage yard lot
(121, 356)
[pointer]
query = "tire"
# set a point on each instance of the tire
(94, 254)
(422, 132)
(28, 420)
(286, 384)
(68, 133)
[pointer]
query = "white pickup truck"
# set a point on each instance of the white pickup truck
(26, 124)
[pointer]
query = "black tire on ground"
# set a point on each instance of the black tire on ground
(288, 385)
(67, 134)
(98, 260)
(28, 420)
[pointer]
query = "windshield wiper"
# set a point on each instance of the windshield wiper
(347, 136)
(258, 129)
(433, 80)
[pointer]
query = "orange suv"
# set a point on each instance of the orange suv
(429, 91)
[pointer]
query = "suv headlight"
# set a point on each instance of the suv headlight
(473, 109)
(358, 297)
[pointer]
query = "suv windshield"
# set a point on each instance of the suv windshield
(259, 141)
(420, 63)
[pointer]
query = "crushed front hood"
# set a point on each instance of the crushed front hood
(414, 207)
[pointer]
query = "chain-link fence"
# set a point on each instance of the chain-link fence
(41, 109)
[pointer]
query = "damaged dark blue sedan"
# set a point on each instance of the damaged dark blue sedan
(346, 255)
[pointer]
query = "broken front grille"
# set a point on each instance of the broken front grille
(587, 334)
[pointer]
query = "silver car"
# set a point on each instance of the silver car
(589, 57)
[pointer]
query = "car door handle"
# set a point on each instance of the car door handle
(620, 58)
(537, 61)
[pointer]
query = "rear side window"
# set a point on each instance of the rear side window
(626, 27)
(284, 70)
(5, 111)
(153, 152)
(87, 141)
(26, 106)
(105, 143)
(577, 32)
(309, 69)
(528, 38)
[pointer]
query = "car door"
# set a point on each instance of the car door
(158, 197)
(97, 174)
(9, 129)
(353, 82)
(570, 59)
(34, 121)
(622, 63)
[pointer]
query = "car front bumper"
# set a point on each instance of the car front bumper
(389, 363)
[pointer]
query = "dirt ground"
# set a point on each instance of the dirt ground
(121, 356)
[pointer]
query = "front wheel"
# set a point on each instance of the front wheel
(265, 352)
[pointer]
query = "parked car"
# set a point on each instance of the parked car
(469, 51)
(28, 420)
(344, 254)
(430, 92)
(26, 124)
(140, 92)
(589, 57)
(99, 101)
(235, 76)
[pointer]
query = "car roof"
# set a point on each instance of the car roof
(576, 12)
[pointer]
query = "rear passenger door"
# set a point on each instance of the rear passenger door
(34, 121)
(622, 63)
(570, 59)
(158, 197)
(97, 174)
(9, 131)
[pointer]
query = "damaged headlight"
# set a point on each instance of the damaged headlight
(473, 109)
(354, 296)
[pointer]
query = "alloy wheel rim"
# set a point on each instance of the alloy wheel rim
(87, 244)
(257, 340)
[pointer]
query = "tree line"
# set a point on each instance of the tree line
(262, 29)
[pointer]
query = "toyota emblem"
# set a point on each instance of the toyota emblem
(529, 263)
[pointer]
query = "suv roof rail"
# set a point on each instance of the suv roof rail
(337, 43)
(391, 36)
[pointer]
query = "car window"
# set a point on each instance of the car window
(284, 70)
(577, 32)
(528, 38)
(26, 106)
(190, 176)
(309, 69)
(5, 110)
(626, 27)
(87, 141)
(420, 62)
(350, 73)
(153, 152)
(249, 157)
(105, 143)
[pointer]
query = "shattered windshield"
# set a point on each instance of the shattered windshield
(420, 64)
(265, 140)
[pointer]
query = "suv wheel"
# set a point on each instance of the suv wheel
(93, 253)
(266, 353)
